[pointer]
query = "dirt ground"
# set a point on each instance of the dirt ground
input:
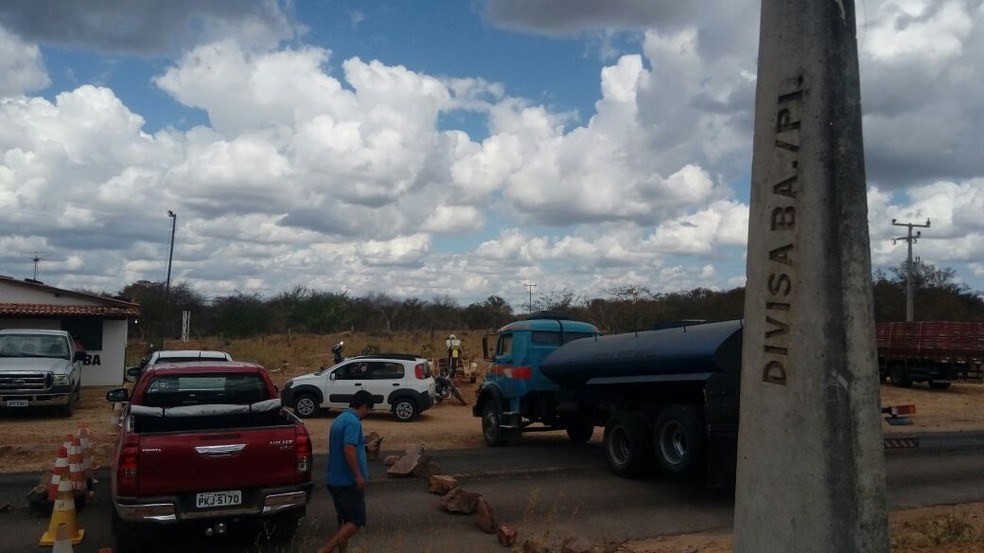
(29, 441)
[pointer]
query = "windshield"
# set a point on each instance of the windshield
(33, 345)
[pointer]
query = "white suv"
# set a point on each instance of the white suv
(398, 383)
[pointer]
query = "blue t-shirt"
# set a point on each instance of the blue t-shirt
(347, 429)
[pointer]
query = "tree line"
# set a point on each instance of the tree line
(937, 296)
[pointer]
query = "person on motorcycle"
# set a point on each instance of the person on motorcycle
(454, 353)
(337, 351)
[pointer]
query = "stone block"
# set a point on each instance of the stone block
(405, 465)
(460, 501)
(506, 535)
(441, 483)
(485, 516)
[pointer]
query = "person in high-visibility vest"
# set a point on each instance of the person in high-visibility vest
(454, 354)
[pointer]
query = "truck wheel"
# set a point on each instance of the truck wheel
(492, 430)
(627, 445)
(405, 409)
(580, 432)
(937, 385)
(306, 406)
(679, 439)
(899, 378)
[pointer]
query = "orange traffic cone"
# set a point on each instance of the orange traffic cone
(58, 473)
(75, 466)
(63, 542)
(63, 513)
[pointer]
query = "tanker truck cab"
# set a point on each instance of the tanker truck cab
(667, 399)
(514, 388)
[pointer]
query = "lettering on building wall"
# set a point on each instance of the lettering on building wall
(92, 359)
(782, 199)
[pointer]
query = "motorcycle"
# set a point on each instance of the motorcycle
(446, 389)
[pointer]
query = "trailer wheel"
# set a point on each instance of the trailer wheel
(899, 378)
(937, 385)
(627, 445)
(679, 439)
(580, 432)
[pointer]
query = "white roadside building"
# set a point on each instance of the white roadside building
(98, 323)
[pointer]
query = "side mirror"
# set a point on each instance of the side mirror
(486, 354)
(118, 395)
(133, 373)
(80, 356)
(332, 375)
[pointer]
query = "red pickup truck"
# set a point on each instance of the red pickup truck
(207, 444)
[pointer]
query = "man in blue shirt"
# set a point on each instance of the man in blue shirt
(348, 471)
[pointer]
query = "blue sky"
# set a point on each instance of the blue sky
(457, 149)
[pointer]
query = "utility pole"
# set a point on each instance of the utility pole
(167, 286)
(910, 239)
(529, 306)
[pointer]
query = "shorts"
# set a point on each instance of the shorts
(350, 504)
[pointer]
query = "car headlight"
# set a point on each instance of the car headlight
(61, 380)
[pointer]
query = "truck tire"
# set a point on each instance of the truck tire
(678, 437)
(306, 405)
(938, 385)
(492, 431)
(627, 445)
(405, 409)
(899, 377)
(580, 432)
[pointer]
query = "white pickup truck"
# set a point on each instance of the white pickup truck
(40, 368)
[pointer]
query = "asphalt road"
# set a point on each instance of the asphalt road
(544, 488)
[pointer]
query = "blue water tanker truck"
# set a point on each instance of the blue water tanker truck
(667, 399)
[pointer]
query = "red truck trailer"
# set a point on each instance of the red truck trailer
(936, 352)
(207, 444)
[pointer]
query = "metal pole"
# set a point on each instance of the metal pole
(910, 239)
(167, 286)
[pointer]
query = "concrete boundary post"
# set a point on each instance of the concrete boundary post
(811, 473)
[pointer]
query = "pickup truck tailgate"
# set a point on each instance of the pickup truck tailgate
(218, 460)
